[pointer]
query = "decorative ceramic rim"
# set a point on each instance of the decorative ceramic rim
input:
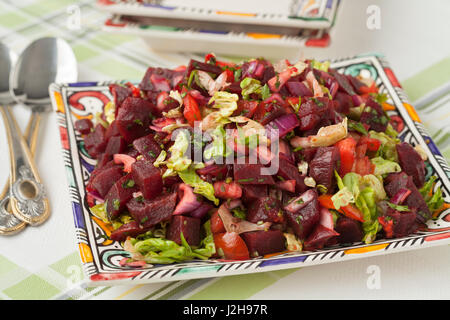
(100, 257)
(324, 18)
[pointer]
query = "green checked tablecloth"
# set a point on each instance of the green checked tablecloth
(44, 263)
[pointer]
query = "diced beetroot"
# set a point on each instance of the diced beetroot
(103, 181)
(213, 172)
(151, 212)
(246, 108)
(268, 111)
(148, 178)
(251, 174)
(404, 223)
(318, 238)
(356, 83)
(130, 229)
(251, 192)
(147, 147)
(159, 73)
(115, 145)
(322, 167)
(373, 115)
(344, 85)
(190, 227)
(260, 243)
(84, 126)
(312, 110)
(298, 89)
(344, 102)
(411, 163)
(304, 220)
(349, 230)
(119, 194)
(120, 93)
(112, 130)
(266, 210)
(134, 117)
(95, 142)
(305, 154)
(396, 181)
(288, 171)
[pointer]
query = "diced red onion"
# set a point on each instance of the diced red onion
(400, 196)
(188, 202)
(287, 185)
(201, 211)
(326, 218)
(283, 124)
(301, 201)
(357, 100)
(94, 194)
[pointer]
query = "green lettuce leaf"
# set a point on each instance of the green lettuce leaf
(387, 149)
(249, 86)
(434, 200)
(206, 189)
(383, 166)
(374, 182)
(218, 147)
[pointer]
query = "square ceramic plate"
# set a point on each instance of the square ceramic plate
(100, 256)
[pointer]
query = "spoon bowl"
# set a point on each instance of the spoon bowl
(43, 62)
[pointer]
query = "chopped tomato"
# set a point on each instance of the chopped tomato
(347, 152)
(134, 90)
(372, 143)
(216, 223)
(225, 190)
(325, 201)
(387, 225)
(366, 90)
(360, 150)
(246, 108)
(231, 246)
(363, 166)
(191, 110)
(352, 212)
(349, 210)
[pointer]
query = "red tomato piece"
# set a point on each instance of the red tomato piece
(363, 166)
(372, 143)
(231, 246)
(216, 223)
(225, 190)
(348, 154)
(191, 111)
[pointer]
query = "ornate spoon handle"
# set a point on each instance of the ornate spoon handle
(27, 195)
(9, 224)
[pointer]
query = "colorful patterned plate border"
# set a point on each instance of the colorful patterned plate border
(100, 256)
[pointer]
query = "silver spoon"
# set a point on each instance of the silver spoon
(43, 62)
(9, 224)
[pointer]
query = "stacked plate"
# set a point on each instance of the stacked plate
(277, 29)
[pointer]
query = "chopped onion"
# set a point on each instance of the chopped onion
(283, 124)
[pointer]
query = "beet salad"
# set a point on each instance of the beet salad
(220, 160)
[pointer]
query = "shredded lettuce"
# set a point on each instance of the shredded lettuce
(387, 149)
(383, 166)
(226, 103)
(218, 148)
(206, 189)
(434, 200)
(110, 112)
(366, 191)
(178, 161)
(162, 251)
(99, 210)
(320, 65)
(342, 198)
(374, 182)
(249, 86)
